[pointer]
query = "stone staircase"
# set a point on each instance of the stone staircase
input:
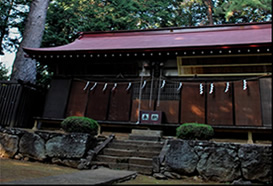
(135, 153)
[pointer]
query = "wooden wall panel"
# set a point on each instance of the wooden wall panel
(192, 103)
(170, 110)
(77, 99)
(247, 104)
(144, 106)
(57, 98)
(98, 99)
(120, 104)
(219, 105)
(266, 101)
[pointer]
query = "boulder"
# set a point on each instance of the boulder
(8, 145)
(256, 162)
(33, 146)
(181, 157)
(219, 164)
(72, 145)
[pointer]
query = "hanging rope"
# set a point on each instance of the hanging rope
(158, 96)
(227, 88)
(151, 90)
(140, 93)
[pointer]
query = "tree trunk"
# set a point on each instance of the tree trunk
(25, 68)
(208, 3)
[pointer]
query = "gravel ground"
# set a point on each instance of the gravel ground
(12, 170)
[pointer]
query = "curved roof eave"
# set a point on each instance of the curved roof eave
(164, 39)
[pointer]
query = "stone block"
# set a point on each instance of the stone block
(8, 145)
(33, 146)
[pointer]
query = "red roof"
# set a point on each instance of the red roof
(210, 36)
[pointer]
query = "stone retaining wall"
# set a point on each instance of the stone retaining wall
(223, 162)
(73, 150)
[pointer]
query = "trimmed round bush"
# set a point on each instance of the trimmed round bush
(192, 131)
(80, 124)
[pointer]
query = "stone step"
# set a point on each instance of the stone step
(132, 154)
(133, 145)
(148, 170)
(129, 160)
(129, 153)
(145, 132)
(146, 138)
(141, 161)
(148, 135)
(140, 142)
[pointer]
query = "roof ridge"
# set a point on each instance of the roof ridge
(176, 30)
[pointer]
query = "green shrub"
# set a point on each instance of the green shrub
(80, 124)
(192, 131)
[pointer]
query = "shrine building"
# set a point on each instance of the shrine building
(219, 75)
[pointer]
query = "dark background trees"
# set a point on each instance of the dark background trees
(66, 18)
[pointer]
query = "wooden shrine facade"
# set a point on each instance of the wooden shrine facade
(218, 75)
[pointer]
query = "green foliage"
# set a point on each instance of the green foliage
(66, 18)
(80, 124)
(3, 72)
(13, 14)
(191, 131)
(242, 11)
(44, 75)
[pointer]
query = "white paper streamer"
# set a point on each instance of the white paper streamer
(144, 84)
(115, 86)
(86, 85)
(201, 88)
(92, 88)
(163, 84)
(129, 86)
(227, 87)
(211, 88)
(180, 86)
(104, 88)
(244, 84)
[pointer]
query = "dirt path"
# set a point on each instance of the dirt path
(15, 170)
(11, 170)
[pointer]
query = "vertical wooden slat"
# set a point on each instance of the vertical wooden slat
(266, 101)
(15, 99)
(98, 100)
(219, 105)
(15, 108)
(247, 104)
(192, 103)
(77, 99)
(120, 103)
(3, 89)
